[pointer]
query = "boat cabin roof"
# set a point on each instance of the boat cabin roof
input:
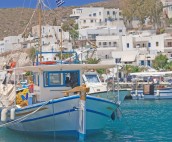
(64, 67)
(142, 74)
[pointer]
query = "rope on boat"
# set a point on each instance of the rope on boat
(24, 117)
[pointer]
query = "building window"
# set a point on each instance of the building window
(90, 15)
(84, 21)
(120, 31)
(118, 60)
(157, 44)
(104, 43)
(120, 14)
(128, 45)
(114, 13)
(94, 14)
(99, 13)
(149, 44)
(169, 44)
(105, 19)
(114, 44)
(142, 62)
(109, 43)
(148, 63)
(100, 43)
(108, 12)
(91, 21)
(100, 20)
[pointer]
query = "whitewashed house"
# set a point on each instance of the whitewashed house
(51, 36)
(12, 42)
(95, 16)
(91, 33)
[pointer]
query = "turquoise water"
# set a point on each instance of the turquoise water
(143, 121)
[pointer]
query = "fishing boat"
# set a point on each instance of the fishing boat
(55, 106)
(151, 89)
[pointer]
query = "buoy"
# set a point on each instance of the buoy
(4, 114)
(12, 114)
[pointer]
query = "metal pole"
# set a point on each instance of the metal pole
(61, 48)
(40, 30)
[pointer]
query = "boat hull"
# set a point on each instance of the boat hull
(165, 93)
(61, 116)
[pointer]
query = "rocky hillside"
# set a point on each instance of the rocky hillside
(13, 21)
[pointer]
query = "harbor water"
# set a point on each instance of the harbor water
(144, 121)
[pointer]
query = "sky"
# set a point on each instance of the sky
(32, 3)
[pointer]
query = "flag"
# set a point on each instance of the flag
(59, 2)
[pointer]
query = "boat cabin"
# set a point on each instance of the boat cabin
(50, 81)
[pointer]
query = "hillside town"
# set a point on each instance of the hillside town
(103, 29)
(87, 72)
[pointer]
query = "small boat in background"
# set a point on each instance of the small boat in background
(92, 80)
(154, 88)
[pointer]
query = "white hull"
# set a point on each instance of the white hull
(158, 94)
(61, 116)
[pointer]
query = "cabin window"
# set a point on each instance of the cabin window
(55, 79)
(61, 78)
(92, 78)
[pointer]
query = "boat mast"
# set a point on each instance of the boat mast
(61, 48)
(40, 28)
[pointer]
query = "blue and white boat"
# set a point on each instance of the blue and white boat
(151, 89)
(48, 110)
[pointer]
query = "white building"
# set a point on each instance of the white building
(51, 36)
(91, 33)
(12, 42)
(95, 16)
(52, 33)
(143, 42)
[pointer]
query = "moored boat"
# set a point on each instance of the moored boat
(152, 89)
(47, 110)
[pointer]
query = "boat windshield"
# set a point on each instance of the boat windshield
(92, 78)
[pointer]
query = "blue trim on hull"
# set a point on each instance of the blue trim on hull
(101, 100)
(51, 102)
(64, 99)
(99, 113)
(66, 111)
(50, 115)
